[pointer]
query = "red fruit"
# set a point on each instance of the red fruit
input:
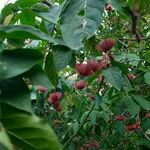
(101, 78)
(147, 115)
(81, 84)
(133, 127)
(86, 145)
(94, 65)
(129, 128)
(54, 97)
(106, 44)
(83, 70)
(131, 76)
(94, 144)
(108, 7)
(120, 118)
(58, 108)
(41, 89)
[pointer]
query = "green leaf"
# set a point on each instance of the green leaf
(23, 32)
(27, 130)
(14, 92)
(53, 13)
(62, 57)
(114, 77)
(26, 3)
(50, 69)
(144, 142)
(142, 101)
(20, 60)
(133, 59)
(5, 143)
(81, 19)
(132, 107)
(147, 77)
(27, 17)
(127, 85)
(38, 76)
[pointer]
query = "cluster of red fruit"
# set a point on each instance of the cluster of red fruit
(91, 66)
(54, 99)
(92, 144)
(132, 127)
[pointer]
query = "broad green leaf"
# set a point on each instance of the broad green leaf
(53, 13)
(117, 4)
(1, 46)
(5, 143)
(127, 85)
(75, 126)
(26, 3)
(14, 92)
(27, 17)
(147, 77)
(62, 57)
(27, 130)
(38, 76)
(114, 77)
(147, 55)
(81, 19)
(119, 127)
(144, 142)
(132, 107)
(23, 32)
(18, 61)
(133, 59)
(142, 101)
(50, 69)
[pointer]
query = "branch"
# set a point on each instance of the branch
(80, 126)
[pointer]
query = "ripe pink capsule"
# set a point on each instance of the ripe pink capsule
(81, 84)
(83, 70)
(41, 89)
(106, 45)
(56, 96)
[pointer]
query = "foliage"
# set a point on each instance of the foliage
(75, 74)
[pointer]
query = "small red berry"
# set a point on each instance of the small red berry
(41, 89)
(129, 128)
(106, 44)
(147, 115)
(101, 78)
(94, 65)
(83, 70)
(120, 118)
(108, 7)
(133, 127)
(131, 76)
(86, 145)
(81, 84)
(94, 144)
(56, 96)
